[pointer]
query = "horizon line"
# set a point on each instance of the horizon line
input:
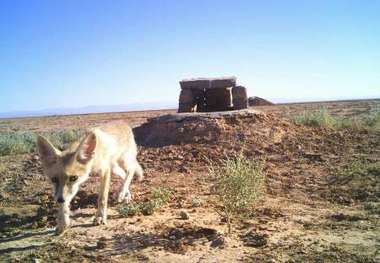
(39, 113)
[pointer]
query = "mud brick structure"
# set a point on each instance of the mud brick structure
(207, 95)
(240, 98)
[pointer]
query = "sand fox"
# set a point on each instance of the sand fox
(106, 150)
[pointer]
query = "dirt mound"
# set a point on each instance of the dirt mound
(202, 128)
(257, 101)
(294, 154)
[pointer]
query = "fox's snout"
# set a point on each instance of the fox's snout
(60, 200)
(64, 193)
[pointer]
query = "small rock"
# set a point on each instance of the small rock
(218, 242)
(196, 202)
(184, 215)
(255, 239)
(102, 243)
(183, 169)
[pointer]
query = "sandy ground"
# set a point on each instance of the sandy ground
(307, 214)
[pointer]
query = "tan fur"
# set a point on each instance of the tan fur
(106, 150)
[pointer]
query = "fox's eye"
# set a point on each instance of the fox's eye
(54, 180)
(73, 178)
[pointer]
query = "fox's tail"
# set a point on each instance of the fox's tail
(139, 172)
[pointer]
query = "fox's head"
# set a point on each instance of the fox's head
(68, 169)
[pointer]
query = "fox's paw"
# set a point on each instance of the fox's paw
(127, 197)
(61, 229)
(100, 220)
(63, 223)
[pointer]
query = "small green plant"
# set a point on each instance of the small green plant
(130, 210)
(148, 208)
(159, 197)
(238, 184)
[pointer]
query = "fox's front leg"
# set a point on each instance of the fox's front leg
(63, 220)
(101, 215)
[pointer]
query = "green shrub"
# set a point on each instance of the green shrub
(63, 138)
(17, 143)
(238, 184)
(25, 142)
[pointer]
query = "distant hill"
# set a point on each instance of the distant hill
(91, 109)
(257, 101)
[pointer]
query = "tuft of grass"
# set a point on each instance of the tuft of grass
(159, 197)
(25, 142)
(323, 118)
(320, 118)
(238, 184)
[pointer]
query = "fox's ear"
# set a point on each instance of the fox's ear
(86, 149)
(46, 150)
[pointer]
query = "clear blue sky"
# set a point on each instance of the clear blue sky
(73, 53)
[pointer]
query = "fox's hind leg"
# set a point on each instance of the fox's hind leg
(125, 194)
(131, 167)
